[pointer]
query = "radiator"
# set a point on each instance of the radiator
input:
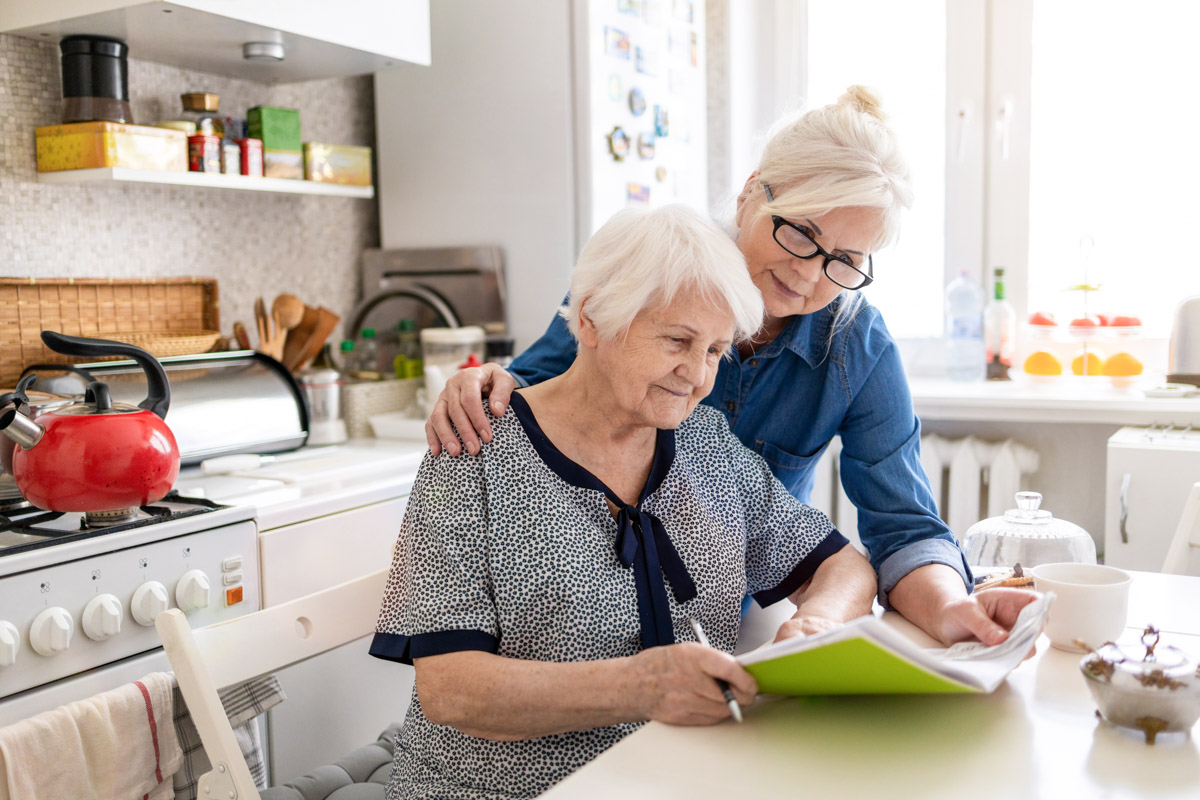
(971, 479)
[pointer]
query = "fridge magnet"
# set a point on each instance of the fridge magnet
(660, 173)
(614, 87)
(695, 49)
(632, 7)
(616, 43)
(685, 10)
(645, 61)
(645, 146)
(618, 143)
(637, 193)
(662, 125)
(637, 101)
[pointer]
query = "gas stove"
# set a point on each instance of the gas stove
(30, 528)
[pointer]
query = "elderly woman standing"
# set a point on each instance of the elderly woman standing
(543, 587)
(827, 195)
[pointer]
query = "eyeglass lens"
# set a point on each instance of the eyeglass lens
(796, 243)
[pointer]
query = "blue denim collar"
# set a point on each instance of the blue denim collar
(806, 335)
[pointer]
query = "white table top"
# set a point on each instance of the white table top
(1035, 737)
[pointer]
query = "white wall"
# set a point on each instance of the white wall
(502, 76)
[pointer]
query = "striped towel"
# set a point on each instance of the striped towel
(243, 704)
(114, 746)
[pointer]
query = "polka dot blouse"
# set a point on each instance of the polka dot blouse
(515, 552)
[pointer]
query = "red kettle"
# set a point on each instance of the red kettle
(94, 456)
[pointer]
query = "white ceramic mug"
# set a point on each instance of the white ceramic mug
(1091, 603)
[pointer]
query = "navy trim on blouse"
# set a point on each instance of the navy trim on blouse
(831, 544)
(642, 542)
(395, 647)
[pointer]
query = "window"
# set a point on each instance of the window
(899, 51)
(1114, 158)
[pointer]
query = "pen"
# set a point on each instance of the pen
(730, 700)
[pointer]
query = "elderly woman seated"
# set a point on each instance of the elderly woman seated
(543, 588)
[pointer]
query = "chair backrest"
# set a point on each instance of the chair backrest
(1187, 535)
(240, 649)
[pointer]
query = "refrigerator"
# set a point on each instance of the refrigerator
(534, 124)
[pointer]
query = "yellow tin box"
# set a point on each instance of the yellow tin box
(337, 163)
(87, 145)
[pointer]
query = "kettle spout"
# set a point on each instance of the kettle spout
(21, 429)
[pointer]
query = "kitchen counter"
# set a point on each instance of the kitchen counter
(1034, 737)
(1082, 400)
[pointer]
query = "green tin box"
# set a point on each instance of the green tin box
(279, 128)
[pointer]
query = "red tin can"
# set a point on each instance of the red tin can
(204, 153)
(252, 156)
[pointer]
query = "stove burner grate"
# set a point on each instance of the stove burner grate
(173, 506)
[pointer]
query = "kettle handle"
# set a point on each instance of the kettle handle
(158, 396)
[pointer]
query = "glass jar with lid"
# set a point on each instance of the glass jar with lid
(202, 109)
(1028, 535)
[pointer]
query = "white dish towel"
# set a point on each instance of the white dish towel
(119, 745)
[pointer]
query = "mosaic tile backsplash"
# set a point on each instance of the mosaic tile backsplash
(254, 243)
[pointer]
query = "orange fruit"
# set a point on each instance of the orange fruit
(1043, 363)
(1042, 318)
(1122, 365)
(1088, 362)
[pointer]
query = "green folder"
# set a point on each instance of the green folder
(869, 656)
(854, 666)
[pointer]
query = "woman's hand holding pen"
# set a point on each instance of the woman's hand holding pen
(677, 684)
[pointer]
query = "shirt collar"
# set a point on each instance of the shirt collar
(806, 335)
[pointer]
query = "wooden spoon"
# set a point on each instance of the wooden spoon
(289, 309)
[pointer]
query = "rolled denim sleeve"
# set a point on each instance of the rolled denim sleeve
(882, 475)
(549, 356)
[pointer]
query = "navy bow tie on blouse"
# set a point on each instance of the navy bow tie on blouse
(643, 544)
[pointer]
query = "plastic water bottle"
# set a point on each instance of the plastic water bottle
(965, 359)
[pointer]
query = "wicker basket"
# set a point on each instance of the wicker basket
(172, 343)
(361, 401)
(101, 308)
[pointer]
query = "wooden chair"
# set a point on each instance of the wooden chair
(240, 649)
(1187, 536)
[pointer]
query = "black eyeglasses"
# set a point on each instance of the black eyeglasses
(799, 241)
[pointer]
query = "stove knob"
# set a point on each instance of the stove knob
(102, 617)
(149, 600)
(192, 592)
(51, 631)
(10, 643)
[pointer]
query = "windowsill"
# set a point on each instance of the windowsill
(1073, 400)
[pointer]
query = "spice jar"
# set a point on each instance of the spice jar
(201, 108)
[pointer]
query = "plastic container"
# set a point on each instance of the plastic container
(366, 360)
(408, 362)
(444, 351)
(965, 355)
(95, 79)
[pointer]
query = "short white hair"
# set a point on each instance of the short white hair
(642, 259)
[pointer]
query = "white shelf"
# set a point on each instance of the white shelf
(209, 179)
(1068, 402)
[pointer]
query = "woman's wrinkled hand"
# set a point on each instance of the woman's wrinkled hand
(458, 409)
(805, 626)
(987, 616)
(677, 683)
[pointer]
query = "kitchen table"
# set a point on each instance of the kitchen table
(1037, 736)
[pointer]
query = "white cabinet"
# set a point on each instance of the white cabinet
(321, 40)
(353, 695)
(1150, 472)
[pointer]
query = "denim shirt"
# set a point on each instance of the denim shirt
(792, 396)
